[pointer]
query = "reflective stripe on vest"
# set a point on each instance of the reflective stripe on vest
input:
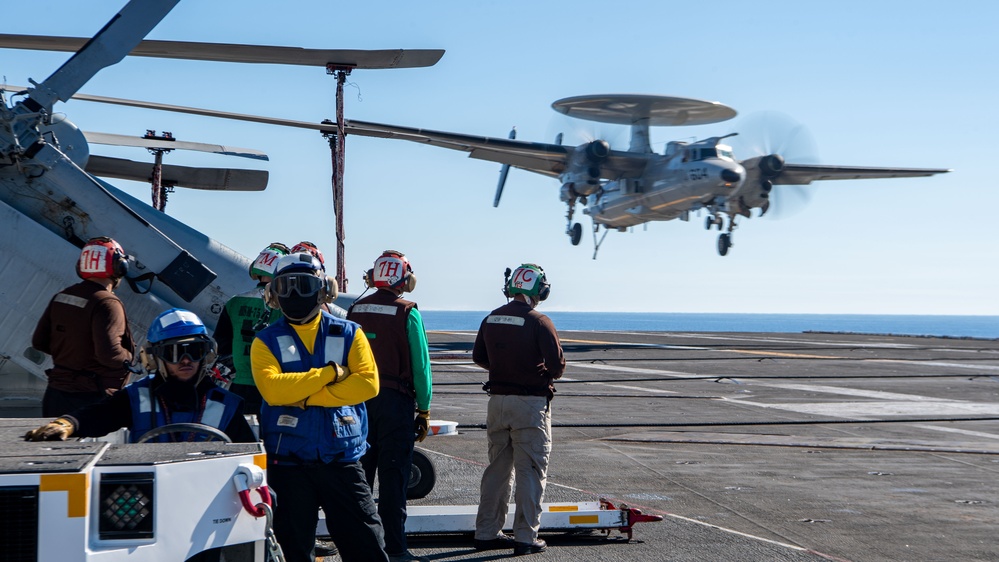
(375, 309)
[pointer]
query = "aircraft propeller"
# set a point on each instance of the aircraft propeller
(775, 139)
(504, 172)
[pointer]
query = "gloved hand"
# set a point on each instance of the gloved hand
(56, 430)
(342, 372)
(421, 426)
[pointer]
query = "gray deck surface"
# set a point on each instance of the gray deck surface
(752, 446)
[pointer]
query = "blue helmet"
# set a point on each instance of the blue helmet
(175, 323)
(174, 334)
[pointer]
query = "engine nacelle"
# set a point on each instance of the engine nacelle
(582, 177)
(771, 165)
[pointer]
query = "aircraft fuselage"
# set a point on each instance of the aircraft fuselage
(669, 187)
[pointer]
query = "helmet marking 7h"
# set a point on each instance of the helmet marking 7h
(174, 335)
(393, 271)
(528, 280)
(102, 258)
(266, 261)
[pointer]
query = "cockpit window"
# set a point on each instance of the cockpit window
(712, 152)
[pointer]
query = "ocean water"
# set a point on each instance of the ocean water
(910, 325)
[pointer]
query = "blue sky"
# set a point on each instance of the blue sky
(889, 83)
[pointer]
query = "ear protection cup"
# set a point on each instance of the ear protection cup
(410, 282)
(546, 289)
(369, 278)
(506, 283)
(270, 299)
(330, 290)
(147, 359)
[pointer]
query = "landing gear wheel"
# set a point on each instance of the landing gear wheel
(720, 224)
(422, 477)
(576, 233)
(709, 222)
(724, 243)
(212, 433)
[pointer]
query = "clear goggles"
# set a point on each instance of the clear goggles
(305, 284)
(175, 352)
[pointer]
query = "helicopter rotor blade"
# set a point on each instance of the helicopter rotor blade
(140, 142)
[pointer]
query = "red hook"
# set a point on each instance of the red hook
(255, 509)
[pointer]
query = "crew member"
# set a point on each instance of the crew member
(394, 328)
(314, 372)
(178, 355)
(85, 330)
(306, 246)
(243, 316)
(521, 350)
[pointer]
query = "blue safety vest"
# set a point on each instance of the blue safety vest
(219, 409)
(315, 433)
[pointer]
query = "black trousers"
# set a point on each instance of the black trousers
(391, 435)
(57, 403)
(341, 490)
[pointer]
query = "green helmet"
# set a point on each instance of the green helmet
(529, 280)
(263, 266)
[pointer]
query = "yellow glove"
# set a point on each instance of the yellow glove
(56, 430)
(421, 425)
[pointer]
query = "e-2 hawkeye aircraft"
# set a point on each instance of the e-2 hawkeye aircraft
(52, 200)
(620, 189)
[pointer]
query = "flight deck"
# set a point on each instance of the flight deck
(798, 446)
(751, 446)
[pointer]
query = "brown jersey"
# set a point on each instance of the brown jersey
(383, 317)
(85, 330)
(521, 349)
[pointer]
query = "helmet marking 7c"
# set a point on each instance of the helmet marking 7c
(102, 258)
(528, 280)
(393, 271)
(266, 261)
(174, 335)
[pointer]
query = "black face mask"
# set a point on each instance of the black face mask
(299, 309)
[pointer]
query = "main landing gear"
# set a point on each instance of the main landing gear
(724, 243)
(574, 230)
(724, 239)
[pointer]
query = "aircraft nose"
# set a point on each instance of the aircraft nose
(730, 176)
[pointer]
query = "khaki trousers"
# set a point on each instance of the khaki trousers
(519, 429)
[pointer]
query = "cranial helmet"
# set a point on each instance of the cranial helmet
(393, 271)
(300, 287)
(102, 258)
(175, 334)
(266, 261)
(528, 280)
(306, 246)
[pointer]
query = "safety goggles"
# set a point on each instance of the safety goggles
(175, 352)
(304, 284)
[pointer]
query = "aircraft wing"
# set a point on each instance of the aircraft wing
(541, 158)
(804, 174)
